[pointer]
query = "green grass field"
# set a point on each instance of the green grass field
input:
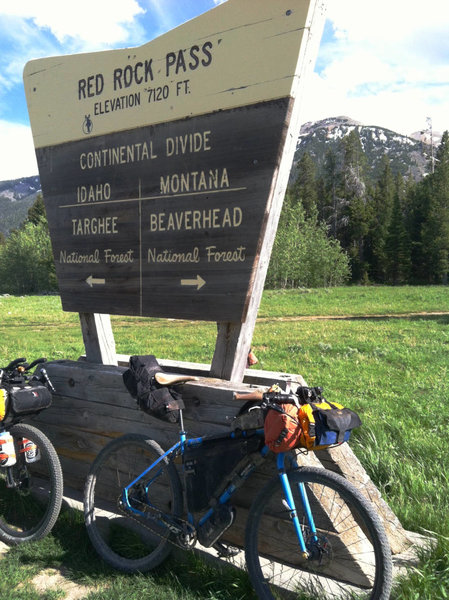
(390, 367)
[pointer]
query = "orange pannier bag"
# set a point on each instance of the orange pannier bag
(313, 425)
(282, 427)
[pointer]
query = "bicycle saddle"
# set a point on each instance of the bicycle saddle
(173, 378)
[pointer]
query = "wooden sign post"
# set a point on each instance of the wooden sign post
(164, 167)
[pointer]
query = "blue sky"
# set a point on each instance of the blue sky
(380, 62)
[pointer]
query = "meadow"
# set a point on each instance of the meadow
(383, 351)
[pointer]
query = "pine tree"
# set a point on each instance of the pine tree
(304, 189)
(332, 204)
(417, 202)
(358, 209)
(397, 242)
(382, 205)
(435, 230)
(36, 212)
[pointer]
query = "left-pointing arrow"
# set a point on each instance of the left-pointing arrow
(94, 281)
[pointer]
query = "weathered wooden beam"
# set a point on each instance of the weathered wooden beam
(252, 376)
(231, 350)
(98, 338)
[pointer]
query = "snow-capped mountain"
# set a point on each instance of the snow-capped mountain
(16, 197)
(408, 155)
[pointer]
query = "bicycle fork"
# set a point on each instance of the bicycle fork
(290, 505)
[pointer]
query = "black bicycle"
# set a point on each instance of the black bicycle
(31, 480)
(309, 532)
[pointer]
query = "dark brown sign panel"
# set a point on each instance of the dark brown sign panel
(163, 220)
(158, 164)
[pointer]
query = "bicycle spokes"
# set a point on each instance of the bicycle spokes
(344, 555)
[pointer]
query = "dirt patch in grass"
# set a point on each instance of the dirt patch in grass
(55, 579)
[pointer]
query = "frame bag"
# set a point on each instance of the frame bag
(210, 465)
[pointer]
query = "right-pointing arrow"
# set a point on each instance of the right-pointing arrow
(199, 282)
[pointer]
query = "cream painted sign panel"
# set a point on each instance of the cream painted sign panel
(157, 162)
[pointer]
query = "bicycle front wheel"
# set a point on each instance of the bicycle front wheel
(348, 554)
(31, 490)
(131, 540)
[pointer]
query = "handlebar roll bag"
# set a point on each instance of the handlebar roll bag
(28, 399)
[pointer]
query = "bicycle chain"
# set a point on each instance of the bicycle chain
(168, 539)
(188, 546)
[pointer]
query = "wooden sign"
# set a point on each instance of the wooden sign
(158, 164)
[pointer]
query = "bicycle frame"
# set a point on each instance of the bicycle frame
(178, 449)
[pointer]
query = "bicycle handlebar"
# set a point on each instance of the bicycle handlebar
(254, 395)
(276, 396)
(18, 370)
(14, 363)
(38, 361)
(21, 362)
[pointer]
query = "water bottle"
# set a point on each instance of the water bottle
(7, 450)
(3, 403)
(31, 450)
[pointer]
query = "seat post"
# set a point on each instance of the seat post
(181, 422)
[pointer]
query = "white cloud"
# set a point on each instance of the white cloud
(387, 64)
(93, 24)
(18, 157)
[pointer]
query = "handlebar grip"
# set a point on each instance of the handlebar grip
(254, 395)
(38, 361)
(13, 363)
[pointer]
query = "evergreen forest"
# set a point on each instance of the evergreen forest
(393, 230)
(337, 226)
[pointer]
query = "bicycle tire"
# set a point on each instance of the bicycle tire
(352, 559)
(29, 510)
(127, 542)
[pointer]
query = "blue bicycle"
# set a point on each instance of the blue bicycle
(308, 534)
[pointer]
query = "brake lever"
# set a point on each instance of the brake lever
(46, 378)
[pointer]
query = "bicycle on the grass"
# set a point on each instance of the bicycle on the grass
(309, 532)
(31, 480)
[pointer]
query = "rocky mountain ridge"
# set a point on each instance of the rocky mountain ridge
(16, 197)
(409, 155)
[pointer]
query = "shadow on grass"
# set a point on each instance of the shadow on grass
(68, 548)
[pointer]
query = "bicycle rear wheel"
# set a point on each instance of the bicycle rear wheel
(30, 492)
(348, 558)
(125, 540)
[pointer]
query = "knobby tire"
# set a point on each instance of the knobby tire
(129, 542)
(29, 510)
(352, 559)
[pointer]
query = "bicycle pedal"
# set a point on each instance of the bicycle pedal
(213, 528)
(225, 551)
